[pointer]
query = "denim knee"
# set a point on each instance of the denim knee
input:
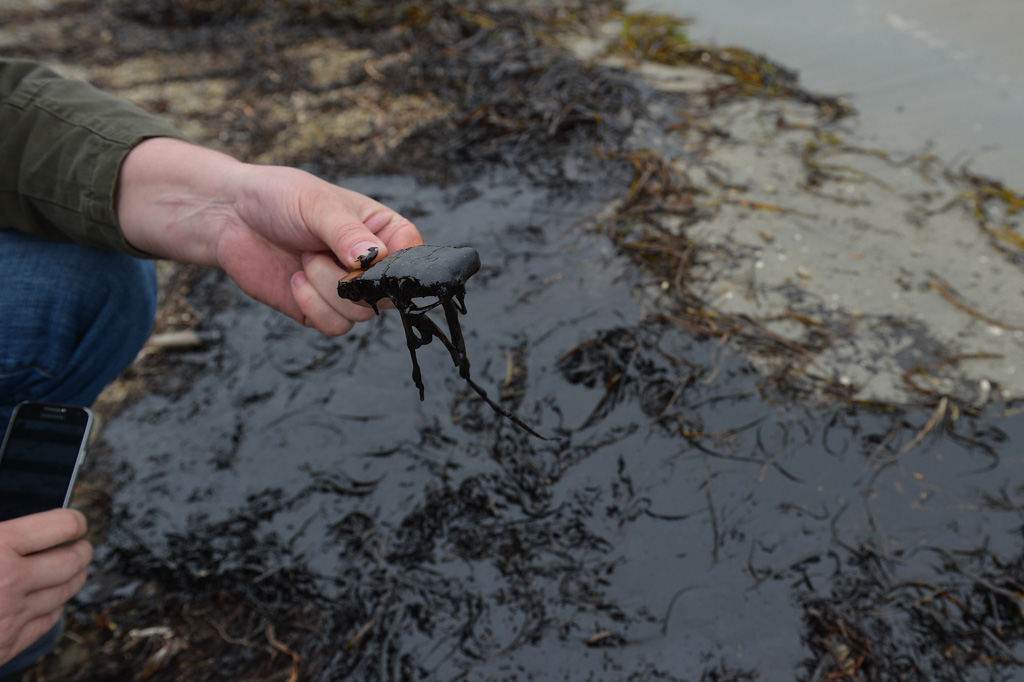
(74, 318)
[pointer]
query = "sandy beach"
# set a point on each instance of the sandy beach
(771, 345)
(925, 78)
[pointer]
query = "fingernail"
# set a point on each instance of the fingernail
(298, 279)
(306, 257)
(365, 253)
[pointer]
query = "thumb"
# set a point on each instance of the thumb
(355, 245)
(347, 223)
(359, 230)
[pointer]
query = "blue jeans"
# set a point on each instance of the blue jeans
(71, 319)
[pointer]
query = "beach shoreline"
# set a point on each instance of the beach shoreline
(762, 463)
(918, 71)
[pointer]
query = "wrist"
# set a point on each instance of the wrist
(174, 198)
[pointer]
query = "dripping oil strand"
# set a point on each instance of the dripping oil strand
(427, 328)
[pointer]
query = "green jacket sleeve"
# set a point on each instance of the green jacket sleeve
(62, 143)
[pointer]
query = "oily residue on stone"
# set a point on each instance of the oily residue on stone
(425, 272)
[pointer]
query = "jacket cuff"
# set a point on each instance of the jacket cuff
(68, 139)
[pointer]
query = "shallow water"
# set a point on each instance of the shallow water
(688, 520)
(916, 70)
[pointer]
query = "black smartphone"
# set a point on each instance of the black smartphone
(39, 460)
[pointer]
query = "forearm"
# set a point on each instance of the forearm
(174, 199)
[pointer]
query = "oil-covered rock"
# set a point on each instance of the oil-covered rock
(423, 272)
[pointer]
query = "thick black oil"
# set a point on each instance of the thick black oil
(282, 506)
(695, 523)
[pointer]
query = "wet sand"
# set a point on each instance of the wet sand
(917, 70)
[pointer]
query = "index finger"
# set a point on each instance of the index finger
(36, 532)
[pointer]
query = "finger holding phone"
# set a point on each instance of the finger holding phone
(43, 563)
(43, 558)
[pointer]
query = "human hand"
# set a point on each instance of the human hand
(285, 236)
(39, 572)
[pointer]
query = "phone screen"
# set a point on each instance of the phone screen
(40, 458)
